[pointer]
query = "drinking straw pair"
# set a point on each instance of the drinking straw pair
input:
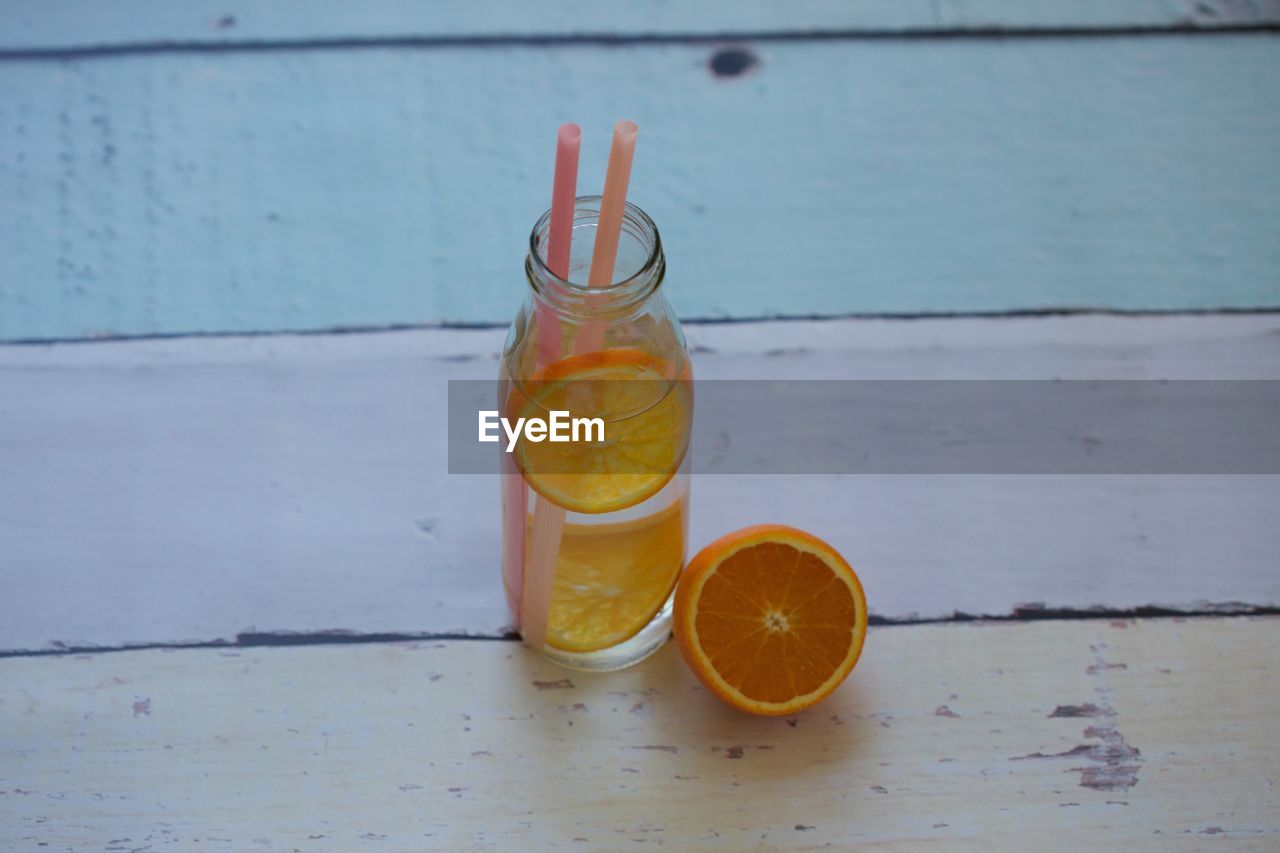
(548, 518)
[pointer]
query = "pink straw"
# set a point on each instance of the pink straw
(549, 518)
(540, 570)
(539, 564)
(605, 254)
(563, 196)
(559, 241)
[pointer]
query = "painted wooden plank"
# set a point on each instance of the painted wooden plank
(189, 490)
(71, 25)
(1047, 736)
(312, 190)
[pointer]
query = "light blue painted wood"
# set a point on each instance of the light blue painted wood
(82, 23)
(306, 190)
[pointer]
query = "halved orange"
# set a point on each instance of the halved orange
(647, 415)
(770, 618)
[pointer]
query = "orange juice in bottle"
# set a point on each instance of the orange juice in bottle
(595, 529)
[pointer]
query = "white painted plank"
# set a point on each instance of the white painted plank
(70, 25)
(1046, 736)
(193, 489)
(204, 192)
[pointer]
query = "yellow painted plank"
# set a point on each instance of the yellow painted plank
(1004, 736)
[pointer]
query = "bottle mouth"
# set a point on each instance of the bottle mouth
(639, 251)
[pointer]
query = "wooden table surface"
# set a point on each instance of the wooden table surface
(1146, 733)
(244, 609)
(243, 606)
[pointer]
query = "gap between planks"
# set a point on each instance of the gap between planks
(277, 639)
(82, 24)
(612, 40)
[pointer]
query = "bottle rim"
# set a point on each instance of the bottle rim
(645, 229)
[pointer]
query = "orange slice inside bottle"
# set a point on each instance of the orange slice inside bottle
(611, 579)
(646, 415)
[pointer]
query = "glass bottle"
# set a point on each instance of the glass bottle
(594, 532)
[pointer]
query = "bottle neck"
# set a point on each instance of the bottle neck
(637, 274)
